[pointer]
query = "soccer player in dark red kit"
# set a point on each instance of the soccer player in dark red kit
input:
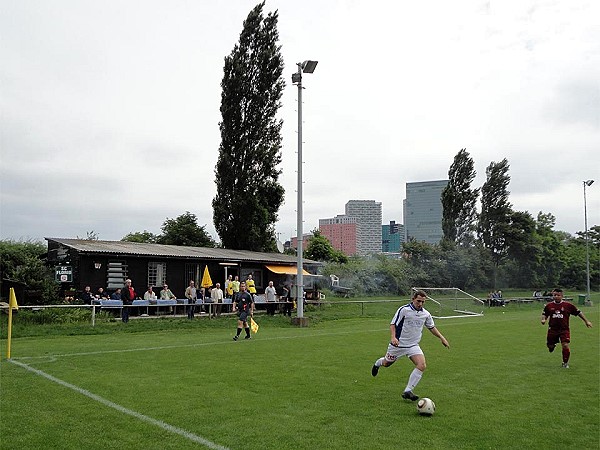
(557, 312)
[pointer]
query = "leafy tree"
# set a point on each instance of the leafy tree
(90, 236)
(290, 251)
(320, 249)
(463, 268)
(550, 250)
(523, 249)
(594, 252)
(428, 258)
(142, 237)
(594, 236)
(573, 272)
(248, 192)
(376, 275)
(420, 253)
(494, 219)
(184, 230)
(24, 262)
(459, 200)
(573, 269)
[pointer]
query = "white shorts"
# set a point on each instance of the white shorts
(393, 352)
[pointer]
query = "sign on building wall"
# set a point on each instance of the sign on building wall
(64, 274)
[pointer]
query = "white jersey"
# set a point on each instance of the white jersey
(409, 323)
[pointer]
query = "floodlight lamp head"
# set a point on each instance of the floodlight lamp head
(588, 182)
(309, 66)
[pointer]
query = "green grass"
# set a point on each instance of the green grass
(310, 388)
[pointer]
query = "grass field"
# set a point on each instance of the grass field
(191, 386)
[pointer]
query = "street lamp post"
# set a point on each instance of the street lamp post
(587, 240)
(303, 67)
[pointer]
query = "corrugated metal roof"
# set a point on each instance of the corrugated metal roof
(175, 251)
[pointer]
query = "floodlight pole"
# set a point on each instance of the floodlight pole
(306, 67)
(587, 240)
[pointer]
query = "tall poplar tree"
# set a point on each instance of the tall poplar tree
(248, 192)
(495, 217)
(459, 200)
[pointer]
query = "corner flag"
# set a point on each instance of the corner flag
(12, 304)
(253, 326)
(12, 300)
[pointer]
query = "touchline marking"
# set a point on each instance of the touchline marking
(170, 347)
(203, 344)
(159, 423)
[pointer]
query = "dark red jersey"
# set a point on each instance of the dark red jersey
(559, 314)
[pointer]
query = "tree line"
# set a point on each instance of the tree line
(496, 247)
(512, 248)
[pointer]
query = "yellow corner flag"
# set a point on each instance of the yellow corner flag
(12, 300)
(12, 304)
(253, 325)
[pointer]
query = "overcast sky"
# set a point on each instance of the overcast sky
(110, 109)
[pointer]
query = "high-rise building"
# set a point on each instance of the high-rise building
(341, 232)
(392, 237)
(294, 241)
(423, 211)
(368, 221)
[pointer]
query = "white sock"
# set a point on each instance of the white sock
(413, 380)
(379, 362)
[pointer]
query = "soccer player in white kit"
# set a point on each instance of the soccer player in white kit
(406, 330)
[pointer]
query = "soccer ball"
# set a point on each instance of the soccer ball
(426, 407)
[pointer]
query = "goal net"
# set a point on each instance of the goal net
(448, 303)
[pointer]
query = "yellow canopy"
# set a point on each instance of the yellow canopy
(287, 270)
(206, 281)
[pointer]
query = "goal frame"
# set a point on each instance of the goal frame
(441, 304)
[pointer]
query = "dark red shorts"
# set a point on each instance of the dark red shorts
(555, 336)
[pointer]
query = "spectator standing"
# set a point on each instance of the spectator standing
(229, 287)
(217, 298)
(243, 304)
(202, 295)
(207, 300)
(191, 295)
(228, 291)
(251, 286)
(236, 285)
(127, 295)
(559, 312)
(287, 305)
(270, 298)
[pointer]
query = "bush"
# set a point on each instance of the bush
(54, 316)
(24, 262)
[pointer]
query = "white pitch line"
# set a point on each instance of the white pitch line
(159, 423)
(203, 344)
